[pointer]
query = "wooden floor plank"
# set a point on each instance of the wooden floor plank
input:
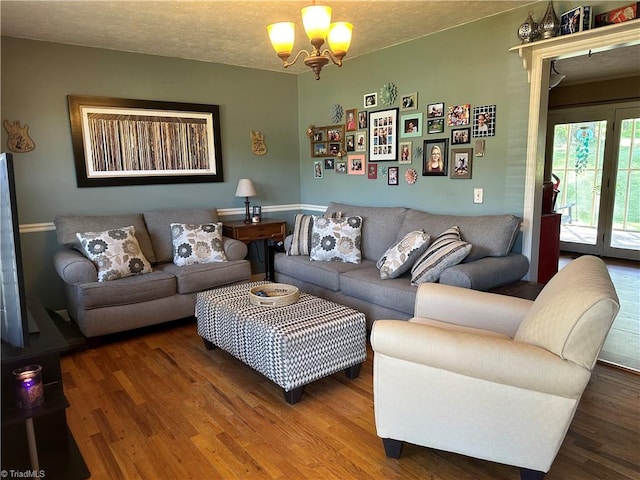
(157, 404)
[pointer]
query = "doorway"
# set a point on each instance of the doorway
(594, 153)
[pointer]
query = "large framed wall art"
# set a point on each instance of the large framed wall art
(138, 142)
(383, 135)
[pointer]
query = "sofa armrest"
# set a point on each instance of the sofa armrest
(234, 249)
(470, 308)
(73, 267)
(487, 273)
(485, 357)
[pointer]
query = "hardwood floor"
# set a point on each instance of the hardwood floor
(157, 405)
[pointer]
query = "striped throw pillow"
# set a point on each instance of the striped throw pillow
(301, 239)
(446, 251)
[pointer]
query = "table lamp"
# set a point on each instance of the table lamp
(246, 189)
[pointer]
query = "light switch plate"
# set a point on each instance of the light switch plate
(478, 195)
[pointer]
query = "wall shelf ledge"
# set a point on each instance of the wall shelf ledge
(581, 43)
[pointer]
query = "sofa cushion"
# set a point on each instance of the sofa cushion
(323, 274)
(126, 291)
(68, 225)
(200, 243)
(301, 238)
(379, 226)
(573, 313)
(445, 251)
(159, 227)
(204, 276)
(365, 284)
(115, 253)
(489, 235)
(400, 256)
(336, 239)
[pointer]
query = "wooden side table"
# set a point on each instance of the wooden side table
(269, 229)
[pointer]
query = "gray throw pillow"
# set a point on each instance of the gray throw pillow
(446, 251)
(197, 243)
(115, 253)
(400, 256)
(336, 239)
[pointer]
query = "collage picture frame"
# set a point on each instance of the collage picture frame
(383, 135)
(327, 141)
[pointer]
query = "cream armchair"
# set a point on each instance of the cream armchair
(490, 376)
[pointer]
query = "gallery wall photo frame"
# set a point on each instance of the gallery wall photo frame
(411, 125)
(435, 110)
(370, 100)
(460, 136)
(327, 141)
(115, 141)
(351, 120)
(383, 135)
(461, 162)
(318, 171)
(406, 153)
(361, 141)
(393, 174)
(434, 161)
(484, 121)
(409, 101)
(356, 164)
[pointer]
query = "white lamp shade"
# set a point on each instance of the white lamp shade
(245, 188)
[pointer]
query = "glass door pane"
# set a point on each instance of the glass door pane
(623, 237)
(578, 158)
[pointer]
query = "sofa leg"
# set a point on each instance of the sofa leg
(526, 474)
(208, 345)
(292, 396)
(353, 371)
(392, 448)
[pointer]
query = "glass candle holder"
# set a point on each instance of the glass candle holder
(29, 389)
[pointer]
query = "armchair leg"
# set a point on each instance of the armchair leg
(392, 448)
(526, 474)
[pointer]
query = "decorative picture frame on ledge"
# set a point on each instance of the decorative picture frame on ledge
(383, 135)
(115, 141)
(461, 162)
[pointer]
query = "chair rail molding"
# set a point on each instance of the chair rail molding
(536, 59)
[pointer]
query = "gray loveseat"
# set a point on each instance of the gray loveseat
(167, 293)
(490, 264)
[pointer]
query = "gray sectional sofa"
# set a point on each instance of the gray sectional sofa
(167, 293)
(490, 263)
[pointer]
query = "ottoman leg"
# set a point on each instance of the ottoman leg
(292, 396)
(208, 345)
(353, 371)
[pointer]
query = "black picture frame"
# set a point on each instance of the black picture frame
(112, 141)
(441, 144)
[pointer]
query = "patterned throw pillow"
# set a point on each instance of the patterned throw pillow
(301, 240)
(116, 253)
(400, 256)
(336, 239)
(197, 243)
(446, 251)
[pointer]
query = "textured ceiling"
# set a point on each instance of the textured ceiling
(212, 30)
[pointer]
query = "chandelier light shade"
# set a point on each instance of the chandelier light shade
(316, 20)
(246, 189)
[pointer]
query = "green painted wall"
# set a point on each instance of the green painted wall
(37, 77)
(467, 64)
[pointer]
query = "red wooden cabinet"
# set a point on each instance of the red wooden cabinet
(549, 252)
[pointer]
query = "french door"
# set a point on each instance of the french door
(595, 155)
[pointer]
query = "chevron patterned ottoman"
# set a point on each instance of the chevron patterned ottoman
(292, 345)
